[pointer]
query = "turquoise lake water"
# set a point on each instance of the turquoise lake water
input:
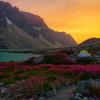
(16, 57)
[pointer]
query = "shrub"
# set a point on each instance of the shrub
(46, 86)
(85, 60)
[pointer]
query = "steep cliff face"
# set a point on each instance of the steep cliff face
(24, 30)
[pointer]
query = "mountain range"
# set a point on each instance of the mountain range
(23, 30)
(92, 42)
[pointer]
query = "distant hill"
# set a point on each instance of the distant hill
(92, 44)
(90, 41)
(25, 30)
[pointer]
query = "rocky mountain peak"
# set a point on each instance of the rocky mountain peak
(31, 26)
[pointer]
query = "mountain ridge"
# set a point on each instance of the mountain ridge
(90, 41)
(32, 25)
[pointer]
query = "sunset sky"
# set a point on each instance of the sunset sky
(80, 18)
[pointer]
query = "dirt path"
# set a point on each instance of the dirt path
(63, 94)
